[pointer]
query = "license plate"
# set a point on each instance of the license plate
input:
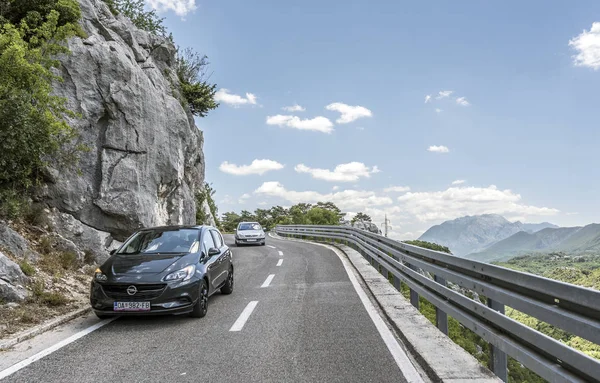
(251, 240)
(131, 306)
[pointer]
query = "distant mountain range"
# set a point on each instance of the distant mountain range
(491, 237)
(471, 234)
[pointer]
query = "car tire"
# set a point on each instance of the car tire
(201, 307)
(262, 243)
(228, 286)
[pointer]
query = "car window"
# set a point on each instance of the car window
(249, 226)
(207, 242)
(217, 238)
(155, 242)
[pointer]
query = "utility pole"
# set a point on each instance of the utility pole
(386, 225)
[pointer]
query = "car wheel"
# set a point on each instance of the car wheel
(201, 306)
(262, 243)
(228, 287)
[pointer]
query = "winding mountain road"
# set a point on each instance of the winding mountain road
(295, 316)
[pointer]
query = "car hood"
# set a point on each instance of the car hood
(143, 264)
(250, 232)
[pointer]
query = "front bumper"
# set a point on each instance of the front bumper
(250, 241)
(170, 298)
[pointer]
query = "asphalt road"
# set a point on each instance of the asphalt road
(308, 325)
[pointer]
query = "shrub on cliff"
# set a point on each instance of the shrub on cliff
(198, 93)
(135, 11)
(33, 129)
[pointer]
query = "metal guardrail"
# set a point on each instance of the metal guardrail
(571, 308)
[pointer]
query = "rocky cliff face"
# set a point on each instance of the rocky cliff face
(146, 156)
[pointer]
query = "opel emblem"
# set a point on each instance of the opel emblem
(131, 290)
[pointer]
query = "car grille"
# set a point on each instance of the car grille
(251, 235)
(144, 291)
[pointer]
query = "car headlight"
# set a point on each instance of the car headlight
(183, 274)
(99, 275)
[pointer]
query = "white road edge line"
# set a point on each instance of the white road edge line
(404, 364)
(280, 262)
(267, 281)
(272, 247)
(26, 362)
(281, 253)
(241, 321)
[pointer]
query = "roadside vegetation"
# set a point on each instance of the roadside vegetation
(33, 127)
(206, 194)
(321, 213)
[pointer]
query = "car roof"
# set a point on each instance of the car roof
(175, 227)
(248, 222)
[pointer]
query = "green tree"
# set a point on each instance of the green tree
(320, 216)
(360, 216)
(298, 213)
(332, 207)
(229, 221)
(429, 245)
(33, 127)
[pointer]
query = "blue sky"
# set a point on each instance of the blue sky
(526, 145)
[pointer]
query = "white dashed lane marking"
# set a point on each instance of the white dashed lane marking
(280, 262)
(280, 253)
(241, 321)
(267, 282)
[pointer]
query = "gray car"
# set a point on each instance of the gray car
(249, 233)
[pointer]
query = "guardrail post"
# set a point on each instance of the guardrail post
(441, 318)
(414, 296)
(498, 359)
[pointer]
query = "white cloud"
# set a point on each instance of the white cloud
(458, 182)
(587, 45)
(226, 199)
(397, 189)
(256, 167)
(349, 113)
(460, 201)
(335, 187)
(444, 94)
(319, 124)
(180, 7)
(427, 98)
(462, 101)
(223, 95)
(438, 110)
(294, 108)
(346, 199)
(349, 172)
(243, 198)
(438, 149)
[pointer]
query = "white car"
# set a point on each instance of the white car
(249, 233)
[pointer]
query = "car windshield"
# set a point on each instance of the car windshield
(159, 241)
(249, 226)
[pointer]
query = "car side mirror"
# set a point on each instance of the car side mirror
(213, 251)
(113, 251)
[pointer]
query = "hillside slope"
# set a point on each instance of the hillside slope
(572, 240)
